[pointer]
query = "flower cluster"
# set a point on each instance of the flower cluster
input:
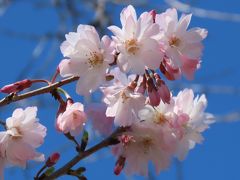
(23, 134)
(161, 132)
(138, 57)
(129, 69)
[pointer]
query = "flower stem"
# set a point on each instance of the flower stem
(61, 90)
(14, 97)
(40, 80)
(111, 140)
(39, 172)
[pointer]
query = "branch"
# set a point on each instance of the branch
(47, 89)
(111, 140)
(211, 14)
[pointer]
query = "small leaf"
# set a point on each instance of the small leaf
(49, 171)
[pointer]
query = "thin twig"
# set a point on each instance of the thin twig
(40, 171)
(111, 140)
(46, 89)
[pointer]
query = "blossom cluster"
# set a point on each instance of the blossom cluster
(129, 69)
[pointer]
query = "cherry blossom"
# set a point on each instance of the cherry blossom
(192, 120)
(23, 134)
(152, 125)
(86, 56)
(146, 142)
(137, 42)
(183, 47)
(124, 106)
(72, 119)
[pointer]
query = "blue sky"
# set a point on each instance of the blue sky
(217, 158)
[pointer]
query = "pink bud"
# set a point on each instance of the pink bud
(16, 87)
(153, 13)
(53, 159)
(119, 165)
(154, 98)
(164, 93)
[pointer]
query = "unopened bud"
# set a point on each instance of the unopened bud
(53, 159)
(16, 87)
(154, 98)
(164, 93)
(153, 13)
(119, 165)
(150, 84)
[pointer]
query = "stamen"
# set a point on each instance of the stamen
(132, 46)
(174, 41)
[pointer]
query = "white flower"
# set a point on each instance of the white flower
(147, 144)
(137, 42)
(120, 81)
(89, 58)
(124, 106)
(180, 43)
(192, 120)
(24, 133)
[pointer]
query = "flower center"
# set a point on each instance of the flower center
(14, 133)
(147, 143)
(124, 97)
(132, 46)
(159, 118)
(95, 59)
(174, 41)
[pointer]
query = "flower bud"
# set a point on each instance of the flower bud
(16, 87)
(153, 13)
(154, 98)
(53, 159)
(164, 92)
(119, 165)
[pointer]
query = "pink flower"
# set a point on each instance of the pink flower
(189, 66)
(88, 57)
(137, 42)
(180, 45)
(124, 106)
(24, 133)
(149, 143)
(72, 119)
(191, 122)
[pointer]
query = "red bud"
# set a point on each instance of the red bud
(53, 159)
(16, 87)
(153, 13)
(119, 165)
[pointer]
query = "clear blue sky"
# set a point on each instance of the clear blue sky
(217, 158)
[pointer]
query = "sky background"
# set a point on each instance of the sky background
(27, 53)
